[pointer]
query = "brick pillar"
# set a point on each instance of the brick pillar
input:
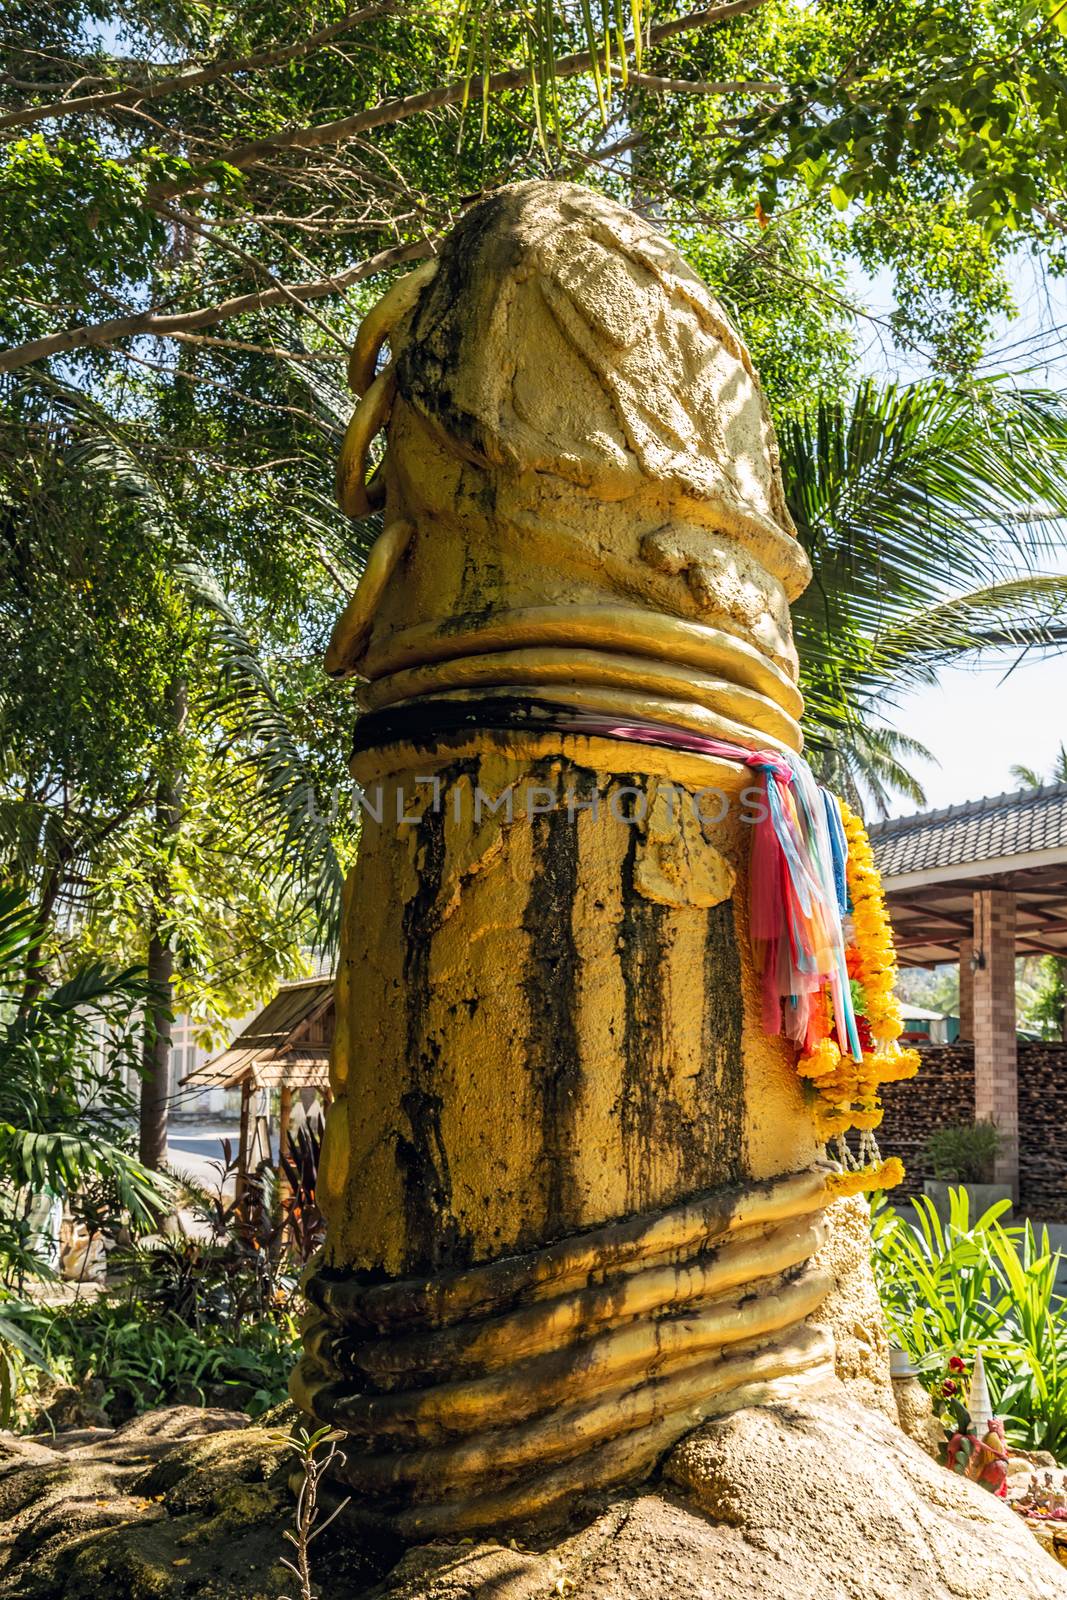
(996, 1083)
(966, 989)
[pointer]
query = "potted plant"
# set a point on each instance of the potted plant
(963, 1156)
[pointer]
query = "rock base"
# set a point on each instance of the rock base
(811, 1498)
(815, 1499)
(178, 1503)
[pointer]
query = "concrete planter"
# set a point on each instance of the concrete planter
(981, 1195)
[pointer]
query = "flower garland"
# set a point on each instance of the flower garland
(846, 1088)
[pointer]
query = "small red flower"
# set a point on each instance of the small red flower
(957, 1364)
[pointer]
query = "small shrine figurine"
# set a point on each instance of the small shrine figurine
(978, 1449)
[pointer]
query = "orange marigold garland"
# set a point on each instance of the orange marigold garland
(846, 1090)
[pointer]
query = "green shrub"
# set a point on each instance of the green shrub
(964, 1153)
(962, 1286)
(140, 1359)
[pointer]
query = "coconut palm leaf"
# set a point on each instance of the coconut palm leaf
(1029, 777)
(927, 512)
(309, 865)
(310, 870)
(903, 492)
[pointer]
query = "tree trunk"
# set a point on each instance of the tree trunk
(155, 1084)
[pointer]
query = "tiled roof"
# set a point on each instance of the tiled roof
(1023, 822)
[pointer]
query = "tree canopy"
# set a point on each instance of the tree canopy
(198, 204)
(175, 169)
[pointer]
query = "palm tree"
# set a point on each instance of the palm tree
(1029, 778)
(928, 512)
(63, 842)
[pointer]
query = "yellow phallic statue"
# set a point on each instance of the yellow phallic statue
(575, 1200)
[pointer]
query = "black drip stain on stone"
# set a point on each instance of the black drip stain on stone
(434, 1238)
(723, 1073)
(477, 257)
(653, 1119)
(481, 580)
(550, 986)
(643, 948)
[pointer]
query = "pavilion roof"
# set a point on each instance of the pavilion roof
(932, 862)
(279, 1045)
(1025, 822)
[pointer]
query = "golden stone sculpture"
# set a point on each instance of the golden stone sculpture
(575, 1203)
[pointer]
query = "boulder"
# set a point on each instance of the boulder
(812, 1498)
(178, 1502)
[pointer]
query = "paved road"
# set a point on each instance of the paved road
(196, 1151)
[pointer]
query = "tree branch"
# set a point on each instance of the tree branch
(206, 339)
(93, 104)
(644, 80)
(388, 112)
(162, 325)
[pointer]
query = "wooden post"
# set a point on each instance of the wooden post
(285, 1111)
(966, 1007)
(242, 1147)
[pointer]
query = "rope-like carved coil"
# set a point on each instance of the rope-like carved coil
(497, 1392)
(356, 497)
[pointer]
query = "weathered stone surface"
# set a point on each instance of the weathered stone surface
(852, 1310)
(817, 1499)
(915, 1413)
(814, 1499)
(675, 864)
(580, 591)
(831, 1499)
(178, 1502)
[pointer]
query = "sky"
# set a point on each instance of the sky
(977, 721)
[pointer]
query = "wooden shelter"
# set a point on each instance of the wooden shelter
(286, 1046)
(981, 883)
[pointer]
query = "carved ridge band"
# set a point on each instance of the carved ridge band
(670, 1235)
(599, 669)
(517, 1382)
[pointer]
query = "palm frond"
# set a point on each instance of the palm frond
(19, 937)
(310, 868)
(927, 512)
(58, 1160)
(901, 494)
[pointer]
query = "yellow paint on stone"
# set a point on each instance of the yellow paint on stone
(676, 863)
(552, 1017)
(497, 1145)
(555, 1022)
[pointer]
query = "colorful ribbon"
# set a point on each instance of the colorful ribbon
(799, 849)
(798, 892)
